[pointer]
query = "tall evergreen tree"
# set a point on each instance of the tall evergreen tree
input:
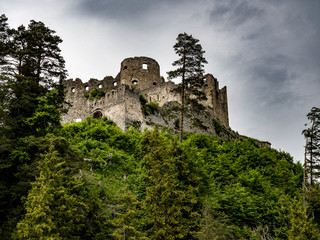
(125, 221)
(189, 68)
(31, 98)
(171, 199)
(54, 207)
(4, 49)
(3, 38)
(32, 68)
(301, 226)
(312, 147)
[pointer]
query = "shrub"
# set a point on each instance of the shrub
(94, 94)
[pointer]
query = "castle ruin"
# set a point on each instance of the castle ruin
(137, 86)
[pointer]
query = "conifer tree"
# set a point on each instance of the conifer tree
(33, 64)
(54, 208)
(3, 39)
(125, 222)
(301, 226)
(190, 67)
(171, 201)
(312, 147)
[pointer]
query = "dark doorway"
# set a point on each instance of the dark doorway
(97, 115)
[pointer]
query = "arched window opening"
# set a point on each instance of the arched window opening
(100, 86)
(134, 82)
(97, 115)
(144, 66)
(154, 83)
(205, 82)
(87, 88)
(115, 83)
(73, 89)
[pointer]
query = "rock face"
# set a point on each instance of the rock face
(138, 96)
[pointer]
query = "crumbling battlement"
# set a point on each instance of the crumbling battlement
(141, 76)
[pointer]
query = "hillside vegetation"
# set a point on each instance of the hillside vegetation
(90, 180)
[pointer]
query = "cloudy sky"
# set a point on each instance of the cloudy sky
(267, 52)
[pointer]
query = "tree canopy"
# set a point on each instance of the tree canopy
(189, 68)
(30, 69)
(90, 180)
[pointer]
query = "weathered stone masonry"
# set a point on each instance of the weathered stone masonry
(141, 76)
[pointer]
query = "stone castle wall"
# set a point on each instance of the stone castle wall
(141, 76)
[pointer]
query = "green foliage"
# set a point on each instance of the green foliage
(214, 227)
(170, 109)
(148, 108)
(313, 203)
(176, 123)
(126, 221)
(189, 68)
(90, 180)
(95, 94)
(198, 123)
(312, 147)
(170, 206)
(241, 190)
(217, 126)
(301, 226)
(143, 100)
(195, 105)
(54, 210)
(190, 63)
(29, 78)
(46, 116)
(135, 124)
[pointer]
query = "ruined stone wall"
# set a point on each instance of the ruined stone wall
(162, 93)
(141, 76)
(217, 101)
(140, 71)
(133, 113)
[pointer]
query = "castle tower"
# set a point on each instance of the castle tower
(143, 72)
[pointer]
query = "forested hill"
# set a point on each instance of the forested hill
(90, 180)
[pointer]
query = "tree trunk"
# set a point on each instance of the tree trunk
(304, 177)
(311, 155)
(182, 101)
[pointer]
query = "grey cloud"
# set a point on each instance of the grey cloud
(234, 12)
(123, 10)
(243, 12)
(270, 85)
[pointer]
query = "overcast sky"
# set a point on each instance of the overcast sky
(266, 52)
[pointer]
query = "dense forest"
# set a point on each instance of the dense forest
(90, 180)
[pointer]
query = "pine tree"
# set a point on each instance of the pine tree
(54, 208)
(3, 39)
(312, 147)
(125, 222)
(301, 226)
(213, 227)
(190, 67)
(171, 203)
(32, 68)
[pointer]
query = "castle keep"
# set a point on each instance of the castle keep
(138, 96)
